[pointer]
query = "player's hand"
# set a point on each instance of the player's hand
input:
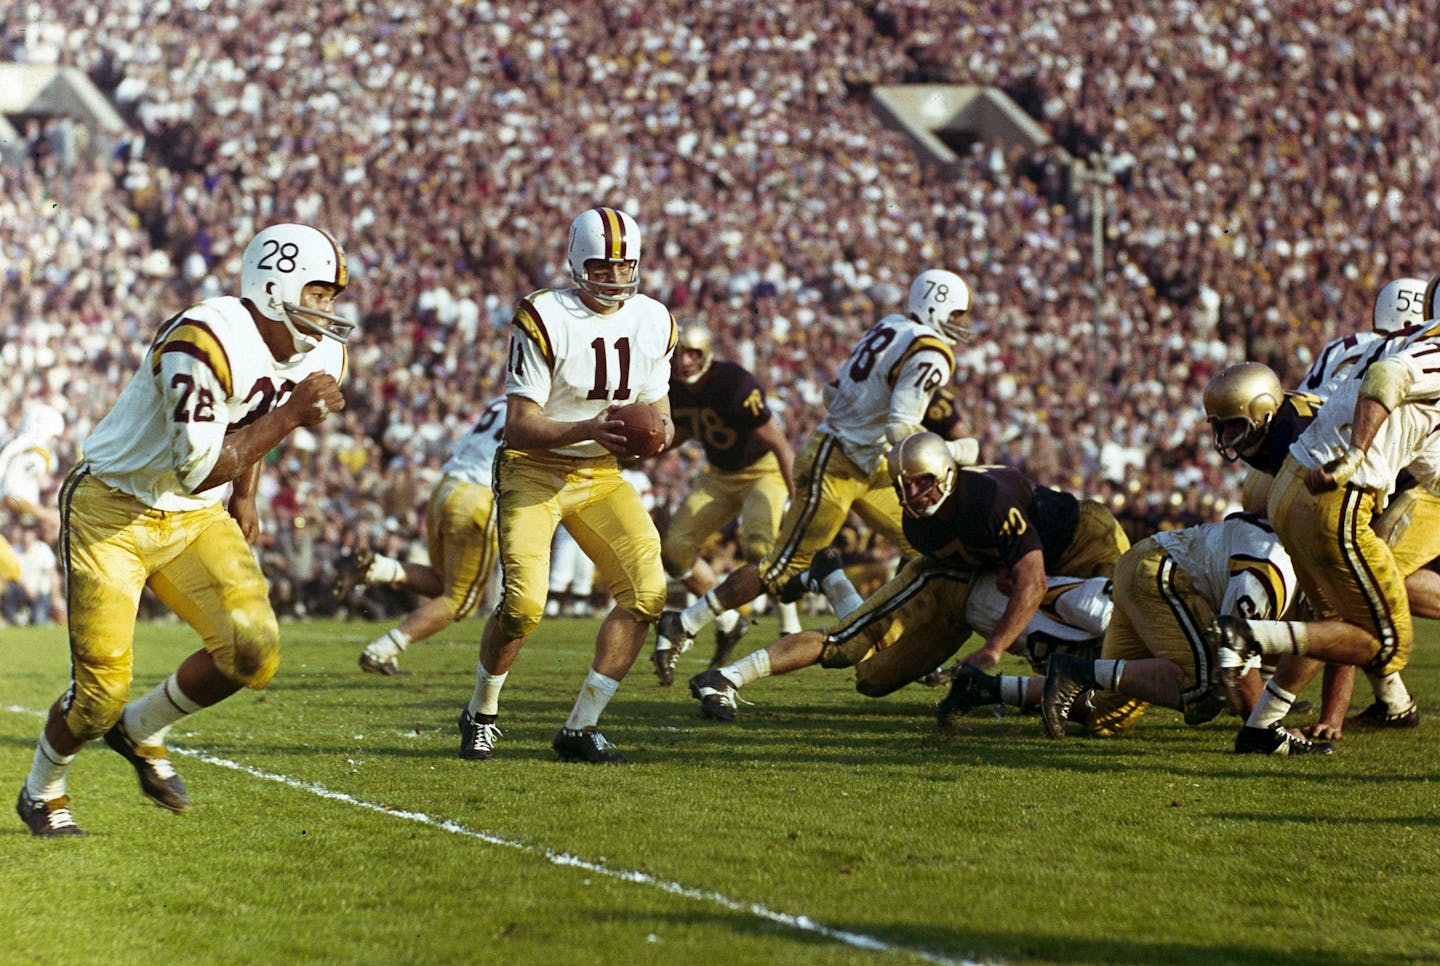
(1321, 731)
(317, 396)
(245, 514)
(606, 431)
(985, 658)
(1319, 480)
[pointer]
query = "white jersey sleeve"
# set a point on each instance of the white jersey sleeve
(575, 363)
(1335, 362)
(24, 466)
(473, 456)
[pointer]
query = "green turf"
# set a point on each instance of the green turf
(822, 827)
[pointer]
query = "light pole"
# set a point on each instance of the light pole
(1097, 175)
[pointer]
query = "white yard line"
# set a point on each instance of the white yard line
(801, 923)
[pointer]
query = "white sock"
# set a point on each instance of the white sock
(789, 618)
(1274, 704)
(1107, 674)
(1280, 637)
(1013, 690)
(47, 772)
(384, 570)
(841, 593)
(694, 618)
(751, 667)
(726, 622)
(1391, 690)
(486, 699)
(388, 645)
(148, 719)
(595, 693)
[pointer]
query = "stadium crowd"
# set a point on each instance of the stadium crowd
(1272, 169)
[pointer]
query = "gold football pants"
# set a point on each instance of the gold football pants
(828, 485)
(197, 563)
(460, 535)
(1344, 567)
(538, 492)
(755, 495)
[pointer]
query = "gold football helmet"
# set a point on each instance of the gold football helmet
(922, 472)
(1240, 401)
(694, 338)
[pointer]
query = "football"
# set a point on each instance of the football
(643, 432)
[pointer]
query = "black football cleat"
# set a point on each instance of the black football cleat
(350, 572)
(587, 745)
(158, 781)
(969, 689)
(46, 819)
(1379, 715)
(725, 641)
(715, 693)
(477, 736)
(1064, 685)
(1275, 740)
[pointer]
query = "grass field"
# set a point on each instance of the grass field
(333, 822)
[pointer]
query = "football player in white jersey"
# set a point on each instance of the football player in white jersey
(223, 382)
(26, 465)
(878, 397)
(460, 537)
(576, 355)
(1399, 305)
(1167, 588)
(1383, 418)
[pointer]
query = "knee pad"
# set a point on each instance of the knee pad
(251, 655)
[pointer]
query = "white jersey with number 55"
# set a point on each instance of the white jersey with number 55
(575, 363)
(889, 378)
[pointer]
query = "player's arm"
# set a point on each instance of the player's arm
(526, 427)
(242, 502)
(1027, 581)
(769, 433)
(1387, 383)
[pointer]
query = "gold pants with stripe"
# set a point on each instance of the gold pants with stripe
(828, 486)
(1346, 570)
(197, 563)
(460, 535)
(538, 492)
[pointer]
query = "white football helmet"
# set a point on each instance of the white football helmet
(916, 457)
(934, 295)
(277, 265)
(42, 423)
(1400, 303)
(695, 337)
(611, 236)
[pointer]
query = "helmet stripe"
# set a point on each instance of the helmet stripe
(614, 233)
(342, 269)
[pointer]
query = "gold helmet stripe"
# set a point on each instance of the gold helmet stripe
(674, 336)
(613, 230)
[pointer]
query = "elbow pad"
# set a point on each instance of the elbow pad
(964, 451)
(1387, 382)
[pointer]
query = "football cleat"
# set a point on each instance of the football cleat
(386, 666)
(1063, 687)
(715, 693)
(158, 781)
(1379, 715)
(725, 641)
(970, 688)
(670, 642)
(811, 580)
(46, 819)
(587, 745)
(1276, 740)
(477, 736)
(1234, 645)
(351, 570)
